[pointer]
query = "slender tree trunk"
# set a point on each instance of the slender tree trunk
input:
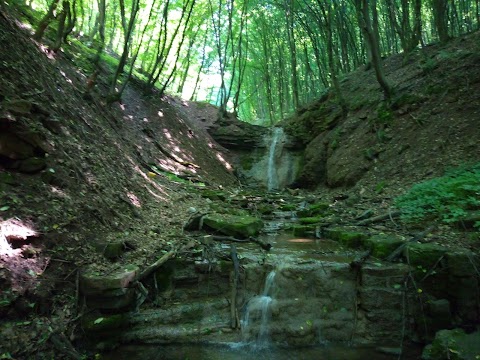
(46, 20)
(440, 17)
(370, 32)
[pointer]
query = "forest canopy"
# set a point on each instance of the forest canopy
(261, 59)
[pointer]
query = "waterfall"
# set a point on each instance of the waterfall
(274, 151)
(258, 313)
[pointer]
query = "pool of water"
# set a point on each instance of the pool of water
(239, 352)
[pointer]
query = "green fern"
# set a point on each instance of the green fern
(447, 198)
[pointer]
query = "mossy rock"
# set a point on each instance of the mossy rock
(314, 209)
(213, 194)
(349, 237)
(302, 230)
(310, 220)
(453, 345)
(238, 226)
(94, 283)
(288, 207)
(383, 245)
(265, 209)
(462, 262)
(423, 256)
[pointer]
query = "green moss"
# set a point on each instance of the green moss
(288, 207)
(241, 226)
(310, 220)
(213, 194)
(314, 209)
(247, 162)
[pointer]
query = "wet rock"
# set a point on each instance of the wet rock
(383, 245)
(239, 226)
(453, 345)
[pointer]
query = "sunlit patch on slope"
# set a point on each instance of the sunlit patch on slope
(14, 230)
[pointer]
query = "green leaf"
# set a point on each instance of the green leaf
(4, 208)
(98, 321)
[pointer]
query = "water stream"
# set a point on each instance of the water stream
(275, 149)
(258, 311)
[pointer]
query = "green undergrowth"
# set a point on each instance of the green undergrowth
(449, 198)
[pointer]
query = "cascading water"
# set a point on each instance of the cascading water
(274, 151)
(258, 314)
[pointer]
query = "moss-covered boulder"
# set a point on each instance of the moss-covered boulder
(462, 262)
(383, 245)
(423, 256)
(310, 220)
(302, 230)
(453, 345)
(347, 236)
(287, 207)
(238, 226)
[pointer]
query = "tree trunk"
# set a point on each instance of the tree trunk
(370, 32)
(46, 20)
(441, 19)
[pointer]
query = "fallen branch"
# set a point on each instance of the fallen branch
(390, 215)
(264, 246)
(151, 268)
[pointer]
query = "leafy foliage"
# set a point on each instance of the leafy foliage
(447, 198)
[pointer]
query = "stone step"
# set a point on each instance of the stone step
(216, 310)
(189, 333)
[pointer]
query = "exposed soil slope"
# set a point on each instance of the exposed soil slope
(79, 174)
(433, 122)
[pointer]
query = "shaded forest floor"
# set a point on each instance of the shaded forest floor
(133, 172)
